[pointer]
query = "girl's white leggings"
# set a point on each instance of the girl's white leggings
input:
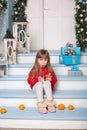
(39, 88)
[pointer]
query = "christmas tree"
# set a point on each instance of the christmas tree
(81, 23)
(3, 5)
(19, 8)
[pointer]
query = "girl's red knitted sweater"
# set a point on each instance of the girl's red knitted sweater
(44, 71)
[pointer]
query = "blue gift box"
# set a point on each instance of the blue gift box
(60, 59)
(71, 59)
(76, 49)
(74, 68)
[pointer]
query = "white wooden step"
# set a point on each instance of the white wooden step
(83, 57)
(54, 57)
(15, 93)
(43, 124)
(14, 96)
(32, 102)
(20, 95)
(60, 69)
(30, 57)
(64, 82)
(15, 113)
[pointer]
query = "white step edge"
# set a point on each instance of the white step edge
(61, 85)
(33, 102)
(24, 69)
(83, 59)
(43, 124)
(30, 57)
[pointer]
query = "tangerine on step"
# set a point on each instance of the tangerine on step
(21, 107)
(61, 107)
(70, 107)
(3, 110)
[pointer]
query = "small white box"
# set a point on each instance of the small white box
(1, 73)
(3, 68)
(75, 73)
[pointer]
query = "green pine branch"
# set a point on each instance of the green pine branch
(81, 23)
(3, 5)
(19, 8)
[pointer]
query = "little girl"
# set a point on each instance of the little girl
(42, 80)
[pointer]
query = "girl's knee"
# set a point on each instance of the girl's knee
(38, 84)
(47, 83)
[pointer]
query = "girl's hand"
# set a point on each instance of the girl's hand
(40, 78)
(49, 78)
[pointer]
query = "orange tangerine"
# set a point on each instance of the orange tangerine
(3, 110)
(61, 107)
(70, 107)
(21, 107)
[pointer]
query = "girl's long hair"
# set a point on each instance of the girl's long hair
(42, 54)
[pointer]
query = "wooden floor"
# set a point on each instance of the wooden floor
(36, 129)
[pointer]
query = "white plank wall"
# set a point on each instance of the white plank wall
(51, 23)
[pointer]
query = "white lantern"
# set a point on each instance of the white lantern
(9, 48)
(21, 34)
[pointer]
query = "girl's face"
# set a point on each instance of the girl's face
(42, 62)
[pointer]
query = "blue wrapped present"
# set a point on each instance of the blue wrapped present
(75, 49)
(60, 59)
(70, 55)
(71, 59)
(75, 68)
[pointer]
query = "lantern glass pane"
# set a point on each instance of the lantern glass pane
(10, 49)
(21, 37)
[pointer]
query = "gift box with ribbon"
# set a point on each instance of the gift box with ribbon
(70, 55)
(71, 60)
(69, 49)
(60, 59)
(74, 71)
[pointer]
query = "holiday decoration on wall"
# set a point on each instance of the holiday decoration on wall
(81, 23)
(9, 48)
(21, 34)
(3, 5)
(19, 7)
